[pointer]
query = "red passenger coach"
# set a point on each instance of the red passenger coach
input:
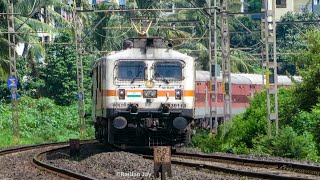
(244, 87)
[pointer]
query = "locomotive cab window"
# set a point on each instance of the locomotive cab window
(168, 70)
(129, 70)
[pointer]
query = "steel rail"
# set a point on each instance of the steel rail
(204, 158)
(315, 170)
(43, 166)
(39, 163)
(11, 150)
(29, 147)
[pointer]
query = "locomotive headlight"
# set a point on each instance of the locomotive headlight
(150, 93)
(122, 93)
(178, 94)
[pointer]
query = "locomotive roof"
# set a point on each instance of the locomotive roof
(145, 54)
(242, 78)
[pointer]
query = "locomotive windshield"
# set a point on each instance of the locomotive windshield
(129, 70)
(168, 70)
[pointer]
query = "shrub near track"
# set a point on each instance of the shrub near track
(298, 136)
(41, 121)
(299, 116)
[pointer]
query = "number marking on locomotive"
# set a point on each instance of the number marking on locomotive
(177, 105)
(120, 105)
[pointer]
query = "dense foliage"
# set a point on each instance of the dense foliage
(299, 122)
(41, 121)
(254, 5)
(298, 138)
(291, 38)
(57, 74)
(309, 62)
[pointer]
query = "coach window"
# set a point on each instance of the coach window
(129, 70)
(281, 3)
(168, 70)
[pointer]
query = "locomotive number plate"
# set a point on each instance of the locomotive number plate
(162, 154)
(120, 105)
(177, 105)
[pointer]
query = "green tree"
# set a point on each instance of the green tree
(4, 68)
(105, 29)
(27, 23)
(308, 91)
(291, 38)
(60, 72)
(244, 33)
(58, 79)
(254, 6)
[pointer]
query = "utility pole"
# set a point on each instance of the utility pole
(226, 65)
(269, 57)
(216, 73)
(12, 80)
(210, 64)
(78, 33)
(213, 69)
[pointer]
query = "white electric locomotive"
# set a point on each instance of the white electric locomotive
(144, 95)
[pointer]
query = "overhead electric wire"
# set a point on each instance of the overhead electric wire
(107, 37)
(94, 28)
(172, 21)
(197, 6)
(32, 13)
(130, 10)
(190, 39)
(160, 27)
(33, 8)
(302, 21)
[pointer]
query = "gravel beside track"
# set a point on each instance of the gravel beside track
(100, 162)
(250, 156)
(18, 166)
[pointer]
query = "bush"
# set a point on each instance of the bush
(249, 131)
(316, 126)
(40, 121)
(303, 122)
(290, 144)
(206, 142)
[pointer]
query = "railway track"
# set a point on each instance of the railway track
(246, 167)
(38, 159)
(226, 164)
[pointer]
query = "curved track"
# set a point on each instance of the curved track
(247, 167)
(29, 147)
(233, 165)
(37, 160)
